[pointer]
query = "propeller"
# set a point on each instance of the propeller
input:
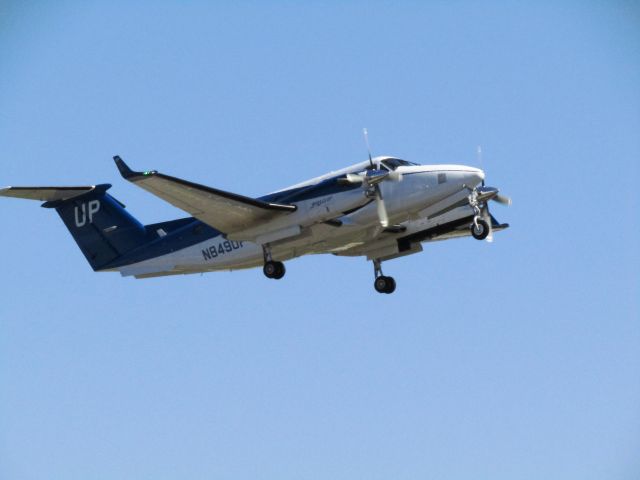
(380, 206)
(502, 199)
(366, 141)
(483, 194)
(492, 193)
(371, 180)
(479, 157)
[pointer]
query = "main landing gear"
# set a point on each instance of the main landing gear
(271, 268)
(382, 284)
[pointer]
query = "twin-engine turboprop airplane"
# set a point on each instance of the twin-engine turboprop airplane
(383, 208)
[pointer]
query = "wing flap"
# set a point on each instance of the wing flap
(224, 211)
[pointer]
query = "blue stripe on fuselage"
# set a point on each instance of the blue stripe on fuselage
(191, 232)
(326, 187)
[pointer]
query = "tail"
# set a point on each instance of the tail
(99, 223)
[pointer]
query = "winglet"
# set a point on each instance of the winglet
(127, 173)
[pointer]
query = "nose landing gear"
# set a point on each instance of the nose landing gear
(382, 284)
(480, 228)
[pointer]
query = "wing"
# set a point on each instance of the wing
(224, 211)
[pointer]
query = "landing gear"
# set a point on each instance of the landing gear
(480, 229)
(271, 268)
(274, 270)
(382, 284)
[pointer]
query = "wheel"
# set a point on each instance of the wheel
(280, 270)
(482, 231)
(391, 286)
(270, 269)
(380, 284)
(384, 284)
(274, 270)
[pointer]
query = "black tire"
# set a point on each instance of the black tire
(482, 231)
(384, 284)
(280, 270)
(270, 269)
(274, 270)
(391, 285)
(380, 284)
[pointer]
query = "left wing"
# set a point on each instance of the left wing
(225, 211)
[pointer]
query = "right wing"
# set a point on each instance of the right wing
(224, 211)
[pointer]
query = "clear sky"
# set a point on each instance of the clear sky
(517, 359)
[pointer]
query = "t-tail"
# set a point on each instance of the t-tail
(99, 223)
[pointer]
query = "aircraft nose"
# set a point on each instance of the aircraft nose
(477, 175)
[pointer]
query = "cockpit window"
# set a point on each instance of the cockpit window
(377, 166)
(393, 163)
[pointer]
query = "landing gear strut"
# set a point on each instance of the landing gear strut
(382, 284)
(480, 229)
(271, 268)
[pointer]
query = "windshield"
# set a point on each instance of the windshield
(393, 163)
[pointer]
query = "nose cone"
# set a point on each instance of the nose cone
(477, 175)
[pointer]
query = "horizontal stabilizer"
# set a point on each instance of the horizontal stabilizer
(99, 223)
(45, 194)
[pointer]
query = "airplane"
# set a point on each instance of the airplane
(382, 208)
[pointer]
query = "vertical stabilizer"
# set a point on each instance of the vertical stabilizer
(100, 225)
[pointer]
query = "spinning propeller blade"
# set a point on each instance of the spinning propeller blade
(383, 217)
(483, 195)
(382, 209)
(502, 199)
(479, 154)
(366, 141)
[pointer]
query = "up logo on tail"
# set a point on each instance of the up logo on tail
(85, 212)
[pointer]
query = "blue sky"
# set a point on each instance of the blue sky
(517, 359)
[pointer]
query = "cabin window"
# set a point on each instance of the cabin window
(442, 178)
